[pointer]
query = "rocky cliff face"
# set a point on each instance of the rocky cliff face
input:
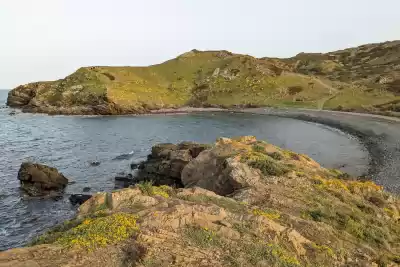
(244, 202)
(364, 78)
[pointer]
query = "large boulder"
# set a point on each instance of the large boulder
(212, 171)
(40, 180)
(165, 163)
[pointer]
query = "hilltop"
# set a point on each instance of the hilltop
(238, 202)
(363, 79)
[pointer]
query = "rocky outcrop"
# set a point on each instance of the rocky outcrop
(166, 162)
(280, 209)
(41, 180)
(22, 95)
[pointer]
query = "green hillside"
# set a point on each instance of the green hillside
(362, 79)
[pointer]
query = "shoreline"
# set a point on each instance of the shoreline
(378, 133)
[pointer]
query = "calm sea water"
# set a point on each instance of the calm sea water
(70, 143)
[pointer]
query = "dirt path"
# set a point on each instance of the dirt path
(332, 91)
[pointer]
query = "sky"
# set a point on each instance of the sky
(49, 39)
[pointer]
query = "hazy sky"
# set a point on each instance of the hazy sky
(49, 39)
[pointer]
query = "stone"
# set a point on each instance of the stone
(95, 163)
(124, 178)
(134, 165)
(86, 189)
(78, 199)
(40, 180)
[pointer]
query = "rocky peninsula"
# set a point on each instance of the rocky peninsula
(362, 79)
(238, 202)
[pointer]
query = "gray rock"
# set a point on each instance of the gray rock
(222, 176)
(40, 180)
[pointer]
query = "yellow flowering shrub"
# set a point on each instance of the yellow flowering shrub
(149, 189)
(282, 256)
(358, 186)
(270, 214)
(98, 232)
(334, 183)
(161, 191)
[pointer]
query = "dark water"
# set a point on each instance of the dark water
(70, 143)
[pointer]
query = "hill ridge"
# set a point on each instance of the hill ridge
(363, 79)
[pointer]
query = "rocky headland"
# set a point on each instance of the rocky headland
(362, 79)
(238, 202)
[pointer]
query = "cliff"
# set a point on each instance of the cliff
(240, 202)
(364, 79)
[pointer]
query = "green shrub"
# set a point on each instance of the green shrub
(258, 148)
(276, 155)
(269, 167)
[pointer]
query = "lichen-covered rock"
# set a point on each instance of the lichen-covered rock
(222, 176)
(40, 180)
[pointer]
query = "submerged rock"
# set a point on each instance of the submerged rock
(40, 180)
(86, 189)
(124, 156)
(135, 165)
(94, 163)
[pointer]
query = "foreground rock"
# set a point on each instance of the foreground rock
(279, 209)
(41, 180)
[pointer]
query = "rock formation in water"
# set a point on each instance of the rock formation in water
(41, 180)
(243, 203)
(364, 79)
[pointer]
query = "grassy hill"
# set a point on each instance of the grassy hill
(363, 79)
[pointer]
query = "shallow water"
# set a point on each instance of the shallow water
(70, 143)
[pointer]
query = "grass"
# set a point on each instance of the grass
(361, 225)
(252, 253)
(259, 252)
(201, 237)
